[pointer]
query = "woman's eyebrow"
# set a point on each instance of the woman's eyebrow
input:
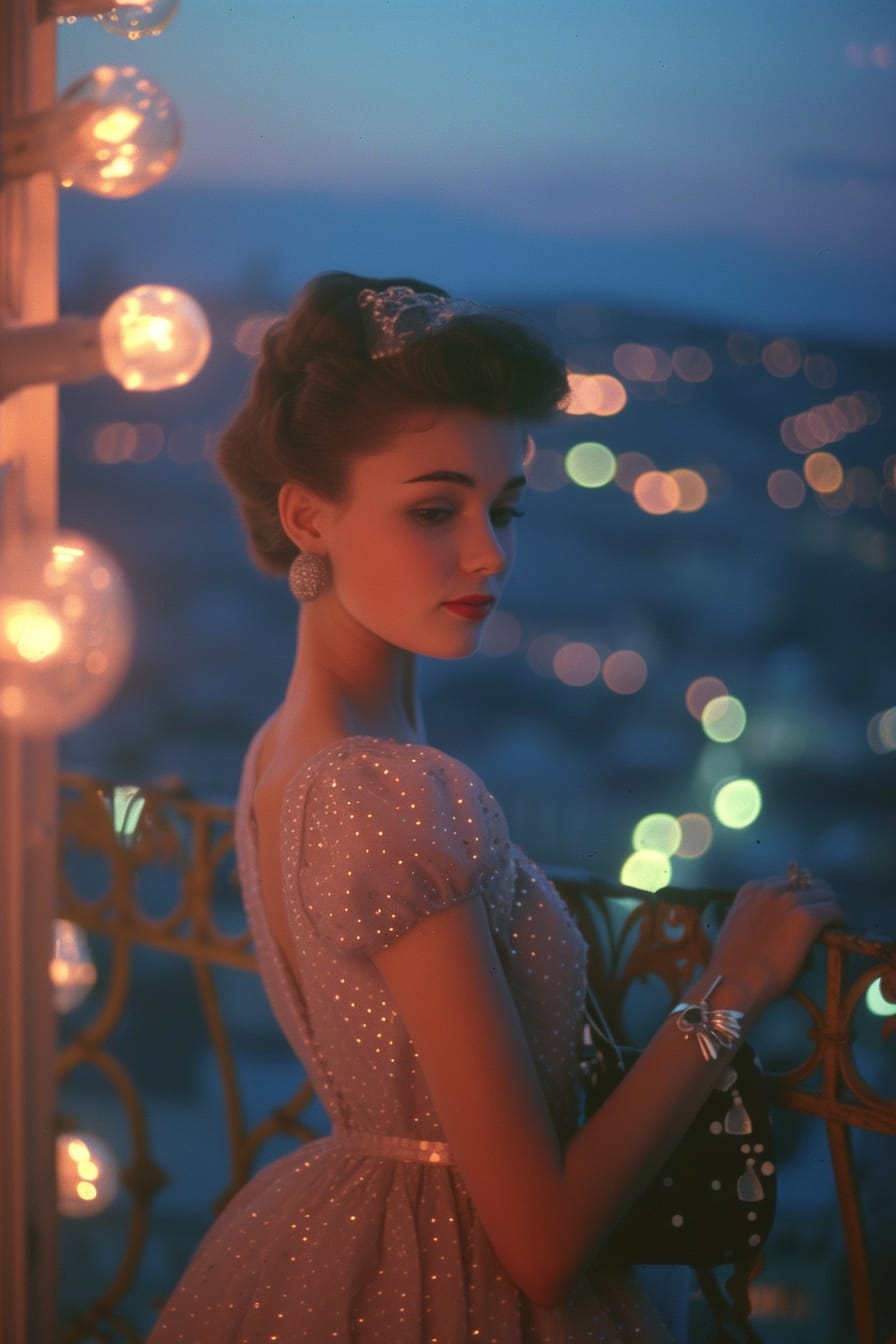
(461, 478)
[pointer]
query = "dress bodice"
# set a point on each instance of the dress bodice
(376, 835)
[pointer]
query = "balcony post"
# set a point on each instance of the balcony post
(28, 500)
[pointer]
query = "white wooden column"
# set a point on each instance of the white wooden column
(28, 777)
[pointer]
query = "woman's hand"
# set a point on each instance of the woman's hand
(769, 930)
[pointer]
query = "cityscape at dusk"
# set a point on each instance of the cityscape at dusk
(689, 682)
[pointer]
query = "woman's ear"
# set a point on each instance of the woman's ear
(301, 515)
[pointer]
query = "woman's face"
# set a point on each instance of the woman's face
(427, 522)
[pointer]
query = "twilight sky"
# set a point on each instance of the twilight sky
(736, 160)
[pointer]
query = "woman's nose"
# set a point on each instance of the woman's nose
(486, 553)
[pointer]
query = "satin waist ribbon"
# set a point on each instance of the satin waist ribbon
(431, 1152)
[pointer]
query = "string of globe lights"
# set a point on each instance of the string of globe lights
(66, 617)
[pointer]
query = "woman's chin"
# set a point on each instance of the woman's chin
(461, 645)
(446, 641)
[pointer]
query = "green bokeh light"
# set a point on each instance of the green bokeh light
(724, 718)
(646, 869)
(737, 803)
(590, 465)
(126, 806)
(659, 831)
(876, 1003)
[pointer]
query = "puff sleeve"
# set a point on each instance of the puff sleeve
(392, 833)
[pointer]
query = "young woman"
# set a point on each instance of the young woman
(425, 971)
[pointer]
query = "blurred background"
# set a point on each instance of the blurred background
(693, 677)
(697, 206)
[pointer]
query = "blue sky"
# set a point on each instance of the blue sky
(756, 142)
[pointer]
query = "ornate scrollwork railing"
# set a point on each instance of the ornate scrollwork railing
(668, 937)
(166, 889)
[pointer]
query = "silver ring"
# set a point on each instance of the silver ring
(797, 877)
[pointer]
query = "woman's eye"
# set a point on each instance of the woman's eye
(432, 514)
(504, 515)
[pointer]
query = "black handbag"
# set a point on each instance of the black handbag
(713, 1202)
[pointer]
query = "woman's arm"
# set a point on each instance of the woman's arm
(546, 1210)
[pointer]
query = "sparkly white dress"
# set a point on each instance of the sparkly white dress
(369, 1236)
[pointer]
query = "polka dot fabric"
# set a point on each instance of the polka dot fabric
(369, 1236)
(389, 836)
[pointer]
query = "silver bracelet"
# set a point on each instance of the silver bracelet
(716, 1029)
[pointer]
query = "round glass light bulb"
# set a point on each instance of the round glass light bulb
(66, 632)
(139, 18)
(72, 971)
(129, 137)
(86, 1175)
(154, 337)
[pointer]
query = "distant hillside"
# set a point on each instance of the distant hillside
(215, 237)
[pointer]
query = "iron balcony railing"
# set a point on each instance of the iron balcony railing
(150, 876)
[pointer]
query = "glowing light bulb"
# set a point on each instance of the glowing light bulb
(86, 1175)
(139, 18)
(117, 126)
(72, 971)
(127, 139)
(154, 337)
(32, 630)
(149, 338)
(66, 632)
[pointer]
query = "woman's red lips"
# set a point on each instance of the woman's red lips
(473, 607)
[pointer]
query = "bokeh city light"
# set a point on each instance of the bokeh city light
(624, 671)
(658, 832)
(737, 803)
(590, 464)
(723, 718)
(647, 870)
(696, 835)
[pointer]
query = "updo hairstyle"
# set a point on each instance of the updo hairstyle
(318, 400)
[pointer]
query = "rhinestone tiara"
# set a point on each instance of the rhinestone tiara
(399, 314)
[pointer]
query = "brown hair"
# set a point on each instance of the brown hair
(318, 399)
